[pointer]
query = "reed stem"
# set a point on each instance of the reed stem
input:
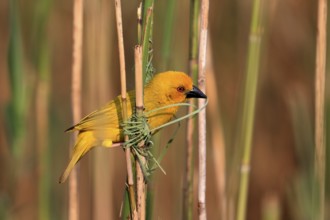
(17, 108)
(218, 140)
(146, 44)
(250, 90)
(202, 115)
(76, 98)
(320, 150)
(141, 186)
(130, 177)
(193, 72)
(168, 32)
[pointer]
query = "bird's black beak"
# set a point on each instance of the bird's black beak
(195, 93)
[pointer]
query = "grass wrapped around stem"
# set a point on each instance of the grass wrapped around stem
(138, 131)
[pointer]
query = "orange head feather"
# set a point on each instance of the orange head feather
(174, 86)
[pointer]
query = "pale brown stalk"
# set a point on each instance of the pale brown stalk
(218, 141)
(320, 150)
(202, 115)
(76, 98)
(97, 185)
(141, 187)
(42, 122)
(139, 21)
(130, 178)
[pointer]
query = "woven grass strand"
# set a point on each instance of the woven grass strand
(138, 131)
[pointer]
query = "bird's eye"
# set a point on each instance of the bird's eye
(180, 89)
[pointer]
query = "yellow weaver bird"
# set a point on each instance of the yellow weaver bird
(103, 127)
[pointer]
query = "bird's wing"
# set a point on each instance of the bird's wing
(109, 116)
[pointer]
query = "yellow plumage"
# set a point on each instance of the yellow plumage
(103, 127)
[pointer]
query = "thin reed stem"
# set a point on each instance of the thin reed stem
(146, 43)
(218, 140)
(76, 98)
(145, 7)
(320, 151)
(42, 130)
(193, 72)
(130, 178)
(17, 108)
(121, 53)
(204, 14)
(250, 90)
(168, 32)
(141, 186)
(139, 23)
(42, 64)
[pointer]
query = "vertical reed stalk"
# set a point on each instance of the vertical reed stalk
(42, 131)
(130, 178)
(218, 142)
(98, 45)
(139, 23)
(202, 115)
(168, 32)
(141, 186)
(146, 45)
(41, 58)
(193, 72)
(250, 90)
(16, 111)
(320, 150)
(76, 98)
(147, 68)
(145, 7)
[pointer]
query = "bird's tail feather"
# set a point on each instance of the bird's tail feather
(82, 146)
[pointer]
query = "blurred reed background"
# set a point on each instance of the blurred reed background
(35, 79)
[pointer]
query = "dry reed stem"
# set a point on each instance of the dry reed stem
(77, 59)
(130, 178)
(202, 114)
(139, 23)
(42, 131)
(121, 50)
(76, 98)
(218, 141)
(320, 150)
(138, 78)
(141, 188)
(95, 184)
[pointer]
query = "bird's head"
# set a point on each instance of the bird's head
(176, 86)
